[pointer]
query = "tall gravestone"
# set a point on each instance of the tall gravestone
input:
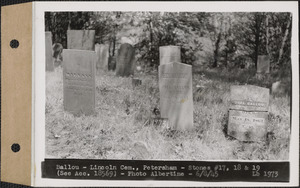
(81, 39)
(48, 47)
(79, 81)
(176, 98)
(263, 64)
(102, 56)
(169, 54)
(125, 60)
(248, 114)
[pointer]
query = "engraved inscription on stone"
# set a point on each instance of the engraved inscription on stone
(176, 98)
(79, 81)
(249, 98)
(263, 64)
(49, 58)
(168, 54)
(81, 39)
(248, 126)
(102, 56)
(125, 60)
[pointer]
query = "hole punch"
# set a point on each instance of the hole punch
(15, 147)
(14, 43)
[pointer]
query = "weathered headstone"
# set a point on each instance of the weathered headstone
(176, 98)
(125, 60)
(79, 81)
(168, 54)
(49, 58)
(81, 39)
(248, 126)
(248, 114)
(136, 82)
(263, 64)
(249, 98)
(102, 56)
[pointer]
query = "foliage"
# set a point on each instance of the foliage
(237, 38)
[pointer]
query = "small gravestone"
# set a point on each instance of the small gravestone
(249, 98)
(248, 126)
(263, 64)
(176, 98)
(248, 114)
(169, 54)
(81, 39)
(49, 58)
(102, 56)
(136, 82)
(125, 60)
(79, 81)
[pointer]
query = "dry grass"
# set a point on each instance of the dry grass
(123, 126)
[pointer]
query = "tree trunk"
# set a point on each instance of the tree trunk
(267, 34)
(257, 42)
(216, 52)
(284, 40)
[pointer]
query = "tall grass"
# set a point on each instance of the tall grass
(125, 127)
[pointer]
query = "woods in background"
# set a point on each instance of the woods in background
(211, 39)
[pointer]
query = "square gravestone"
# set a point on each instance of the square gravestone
(176, 98)
(263, 64)
(79, 81)
(102, 56)
(249, 98)
(248, 114)
(48, 47)
(248, 126)
(168, 54)
(81, 39)
(125, 60)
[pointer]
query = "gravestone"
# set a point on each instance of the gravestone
(102, 56)
(48, 47)
(248, 113)
(136, 82)
(248, 126)
(79, 81)
(263, 64)
(81, 39)
(125, 60)
(176, 98)
(169, 54)
(249, 98)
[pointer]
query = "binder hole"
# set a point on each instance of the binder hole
(14, 43)
(15, 147)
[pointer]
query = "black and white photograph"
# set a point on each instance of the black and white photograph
(153, 85)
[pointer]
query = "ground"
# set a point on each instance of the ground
(124, 127)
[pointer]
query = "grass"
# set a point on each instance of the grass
(124, 125)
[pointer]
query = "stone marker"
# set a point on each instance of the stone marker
(248, 126)
(263, 64)
(102, 56)
(249, 98)
(248, 114)
(168, 54)
(48, 47)
(125, 60)
(136, 82)
(79, 81)
(81, 39)
(176, 98)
